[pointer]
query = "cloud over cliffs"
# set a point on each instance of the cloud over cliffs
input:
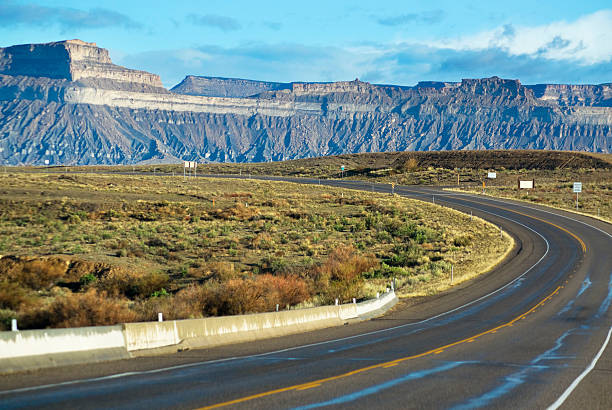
(13, 14)
(427, 17)
(223, 23)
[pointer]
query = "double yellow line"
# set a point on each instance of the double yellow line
(392, 363)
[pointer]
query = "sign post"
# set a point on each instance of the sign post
(342, 171)
(191, 165)
(577, 190)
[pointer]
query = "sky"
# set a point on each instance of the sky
(383, 42)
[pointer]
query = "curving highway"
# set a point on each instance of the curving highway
(533, 333)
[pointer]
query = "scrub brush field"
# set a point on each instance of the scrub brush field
(95, 249)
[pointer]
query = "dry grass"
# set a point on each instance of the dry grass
(204, 246)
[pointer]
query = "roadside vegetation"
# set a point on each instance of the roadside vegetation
(93, 249)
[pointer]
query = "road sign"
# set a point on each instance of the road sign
(577, 187)
(492, 175)
(342, 168)
(526, 184)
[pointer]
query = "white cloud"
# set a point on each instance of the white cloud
(587, 40)
(191, 58)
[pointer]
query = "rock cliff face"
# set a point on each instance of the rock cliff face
(224, 87)
(575, 95)
(74, 60)
(66, 103)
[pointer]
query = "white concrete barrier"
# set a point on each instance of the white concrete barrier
(32, 349)
(47, 341)
(364, 309)
(35, 349)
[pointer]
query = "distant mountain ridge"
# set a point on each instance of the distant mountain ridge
(67, 103)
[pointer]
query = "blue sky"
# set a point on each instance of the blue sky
(391, 42)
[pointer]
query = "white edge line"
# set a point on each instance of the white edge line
(590, 367)
(582, 375)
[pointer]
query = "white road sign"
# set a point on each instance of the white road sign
(577, 187)
(492, 175)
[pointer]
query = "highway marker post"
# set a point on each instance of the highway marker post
(577, 190)
(14, 325)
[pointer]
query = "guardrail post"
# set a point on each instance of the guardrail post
(14, 325)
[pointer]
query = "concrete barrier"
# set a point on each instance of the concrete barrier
(150, 335)
(216, 331)
(375, 307)
(35, 349)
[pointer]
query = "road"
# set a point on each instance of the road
(532, 333)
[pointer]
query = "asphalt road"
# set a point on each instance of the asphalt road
(531, 334)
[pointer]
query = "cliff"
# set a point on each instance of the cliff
(575, 94)
(225, 87)
(74, 60)
(67, 103)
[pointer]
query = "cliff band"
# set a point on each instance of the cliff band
(67, 103)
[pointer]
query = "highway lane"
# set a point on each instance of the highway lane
(518, 336)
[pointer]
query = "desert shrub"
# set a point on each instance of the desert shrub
(14, 296)
(118, 282)
(284, 290)
(219, 270)
(273, 264)
(146, 285)
(173, 307)
(87, 279)
(263, 240)
(463, 240)
(411, 164)
(36, 274)
(405, 255)
(255, 294)
(341, 275)
(80, 309)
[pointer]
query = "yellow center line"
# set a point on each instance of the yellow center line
(309, 386)
(573, 235)
(395, 362)
(392, 363)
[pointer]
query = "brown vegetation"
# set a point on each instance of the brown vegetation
(100, 249)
